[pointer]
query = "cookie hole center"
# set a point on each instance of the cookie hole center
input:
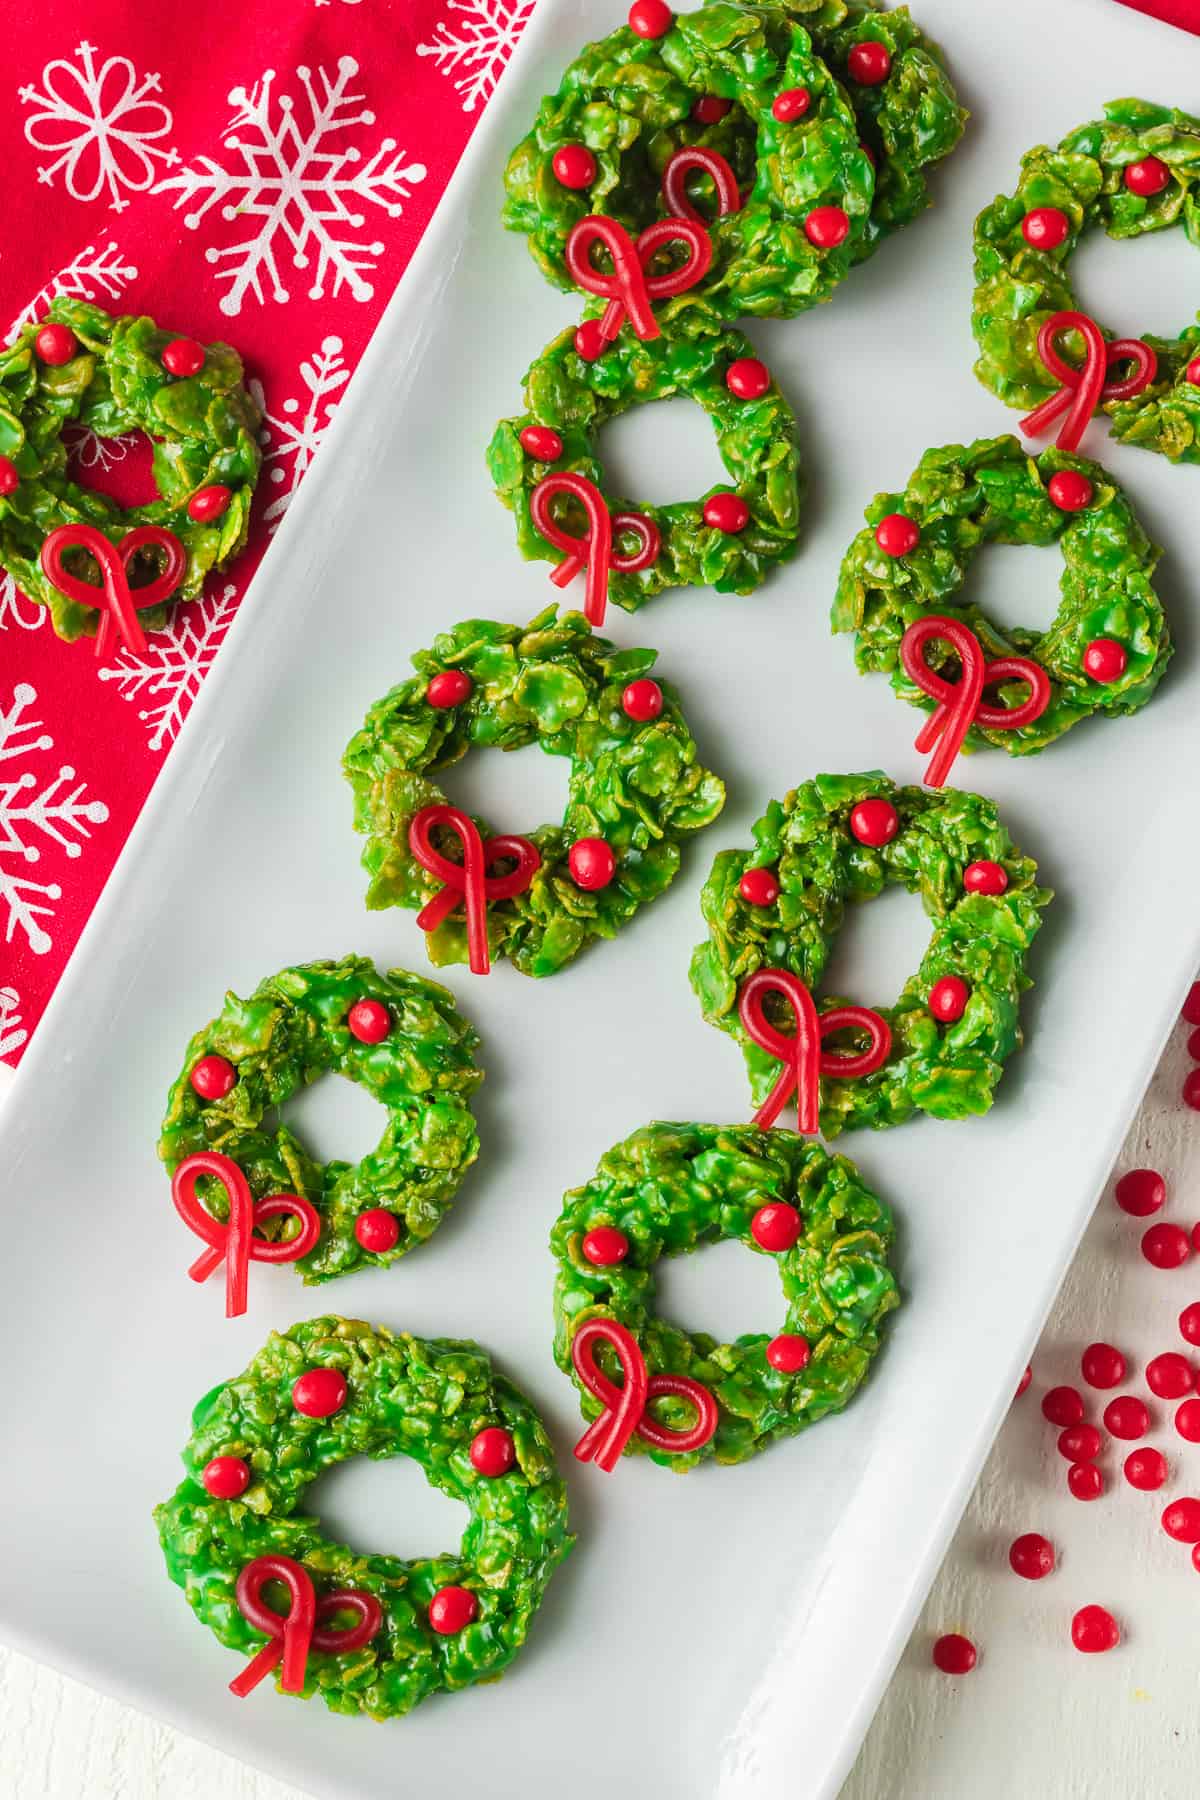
(336, 1120)
(514, 791)
(661, 454)
(878, 948)
(1134, 286)
(724, 1289)
(121, 468)
(386, 1508)
(1016, 585)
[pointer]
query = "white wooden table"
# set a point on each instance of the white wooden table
(1035, 1718)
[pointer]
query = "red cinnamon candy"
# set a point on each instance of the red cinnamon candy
(234, 1243)
(629, 289)
(960, 703)
(625, 1407)
(292, 1635)
(1081, 391)
(804, 1061)
(118, 602)
(468, 882)
(692, 159)
(595, 548)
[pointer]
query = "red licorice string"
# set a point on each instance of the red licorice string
(1082, 390)
(804, 1061)
(468, 882)
(235, 1242)
(595, 548)
(960, 703)
(293, 1634)
(625, 1407)
(629, 289)
(710, 162)
(118, 602)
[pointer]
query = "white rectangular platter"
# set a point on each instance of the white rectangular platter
(729, 1634)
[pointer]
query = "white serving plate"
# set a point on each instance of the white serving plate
(729, 1634)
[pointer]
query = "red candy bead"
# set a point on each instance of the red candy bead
(10, 481)
(1192, 372)
(1140, 1192)
(1085, 1481)
(791, 104)
(450, 688)
(1031, 1556)
(874, 822)
(56, 345)
(948, 999)
(1191, 1006)
(369, 1021)
(726, 512)
(493, 1451)
(759, 887)
(1170, 1375)
(1189, 1323)
(226, 1477)
(1127, 1417)
(789, 1353)
(1094, 1630)
(1190, 1091)
(209, 503)
(213, 1077)
(709, 108)
(453, 1608)
(542, 442)
(1181, 1520)
(605, 1245)
(776, 1226)
(650, 18)
(590, 342)
(592, 863)
(1102, 1366)
(183, 356)
(1070, 491)
(1187, 1421)
(1024, 1382)
(826, 227)
(1145, 1469)
(984, 878)
(377, 1230)
(1062, 1406)
(1080, 1443)
(954, 1654)
(748, 378)
(1148, 177)
(869, 63)
(1193, 1044)
(897, 534)
(1045, 228)
(642, 700)
(319, 1393)
(1105, 660)
(574, 166)
(1166, 1246)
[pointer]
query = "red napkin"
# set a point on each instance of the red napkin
(1184, 13)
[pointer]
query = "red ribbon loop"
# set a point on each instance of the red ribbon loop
(960, 703)
(595, 548)
(804, 1061)
(235, 1243)
(119, 603)
(293, 1634)
(629, 289)
(468, 882)
(1082, 390)
(709, 162)
(625, 1407)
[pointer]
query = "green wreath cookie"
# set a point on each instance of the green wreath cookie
(82, 366)
(670, 1189)
(312, 1398)
(1132, 172)
(397, 1035)
(1109, 643)
(636, 789)
(841, 839)
(727, 539)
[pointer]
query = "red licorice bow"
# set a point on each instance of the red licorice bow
(595, 547)
(625, 1407)
(235, 1242)
(710, 162)
(960, 703)
(468, 882)
(119, 602)
(1082, 390)
(804, 1061)
(294, 1633)
(629, 289)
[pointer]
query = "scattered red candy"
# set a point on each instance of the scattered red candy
(759, 887)
(897, 534)
(1062, 1406)
(1105, 660)
(10, 481)
(56, 345)
(1170, 1375)
(826, 227)
(948, 999)
(1196, 1556)
(776, 1226)
(726, 512)
(319, 1393)
(1093, 1630)
(1145, 1469)
(1189, 1323)
(1147, 177)
(1102, 1366)
(605, 1245)
(1127, 1417)
(869, 63)
(453, 1608)
(1190, 1091)
(1031, 1556)
(209, 503)
(448, 689)
(709, 108)
(1191, 1006)
(791, 104)
(1193, 1044)
(377, 1230)
(1085, 1481)
(542, 442)
(874, 822)
(985, 878)
(493, 1451)
(1045, 228)
(590, 341)
(574, 166)
(1024, 1382)
(183, 357)
(369, 1021)
(213, 1077)
(642, 700)
(592, 863)
(954, 1654)
(1181, 1520)
(1166, 1246)
(1080, 1443)
(226, 1477)
(1187, 1421)
(789, 1353)
(748, 378)
(1141, 1192)
(1070, 491)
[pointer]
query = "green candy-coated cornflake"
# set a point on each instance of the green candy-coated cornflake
(289, 1032)
(673, 1188)
(756, 439)
(203, 431)
(637, 784)
(1018, 287)
(991, 492)
(420, 1397)
(949, 1071)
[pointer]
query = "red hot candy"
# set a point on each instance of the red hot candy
(1084, 1481)
(213, 1077)
(804, 1062)
(234, 1243)
(625, 1407)
(1140, 1192)
(1127, 1417)
(1170, 1375)
(1102, 1366)
(1062, 1406)
(954, 1654)
(293, 1634)
(1080, 1443)
(1031, 1556)
(1094, 1630)
(595, 548)
(960, 704)
(1181, 1520)
(117, 601)
(1082, 390)
(468, 882)
(1166, 1246)
(629, 289)
(1187, 1421)
(1146, 1469)
(1191, 1006)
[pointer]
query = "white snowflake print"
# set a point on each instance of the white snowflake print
(91, 451)
(299, 186)
(17, 613)
(290, 437)
(100, 124)
(38, 811)
(12, 1035)
(98, 272)
(173, 665)
(475, 45)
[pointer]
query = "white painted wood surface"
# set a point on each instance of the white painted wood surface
(1035, 1718)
